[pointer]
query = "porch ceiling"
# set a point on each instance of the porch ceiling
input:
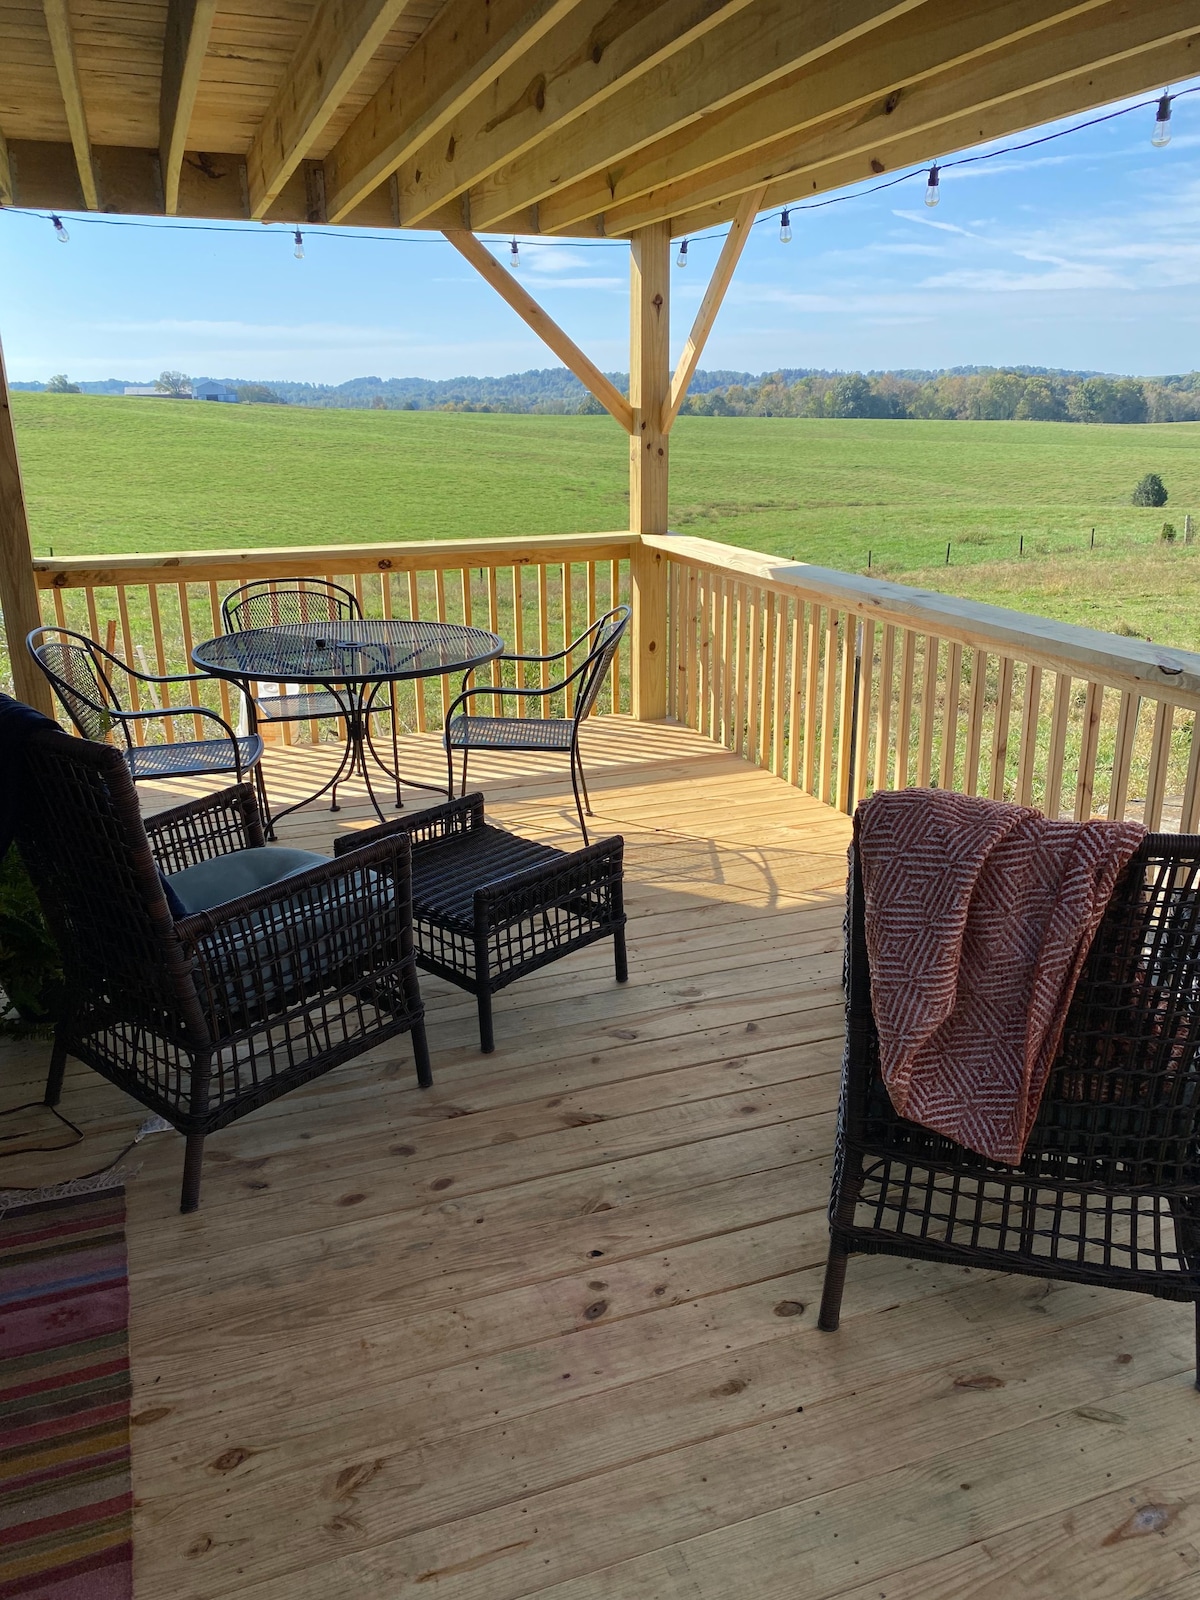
(575, 117)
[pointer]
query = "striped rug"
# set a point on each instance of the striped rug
(65, 1496)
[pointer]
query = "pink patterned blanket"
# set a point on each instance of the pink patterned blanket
(979, 915)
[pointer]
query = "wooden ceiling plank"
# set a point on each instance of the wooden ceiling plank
(714, 296)
(599, 49)
(62, 47)
(944, 33)
(1094, 40)
(763, 43)
(465, 47)
(1139, 74)
(527, 308)
(337, 48)
(189, 24)
(8, 195)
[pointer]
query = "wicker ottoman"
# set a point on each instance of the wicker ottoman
(490, 906)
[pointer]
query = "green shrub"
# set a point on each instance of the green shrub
(30, 967)
(1168, 533)
(1151, 491)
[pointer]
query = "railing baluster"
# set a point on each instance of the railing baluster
(160, 657)
(796, 709)
(779, 688)
(883, 734)
(828, 707)
(979, 671)
(904, 714)
(1059, 716)
(1000, 730)
(929, 684)
(862, 729)
(1031, 709)
(1160, 755)
(1190, 810)
(845, 734)
(1088, 748)
(950, 715)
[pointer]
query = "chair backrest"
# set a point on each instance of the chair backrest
(267, 604)
(80, 832)
(607, 632)
(1122, 1104)
(81, 674)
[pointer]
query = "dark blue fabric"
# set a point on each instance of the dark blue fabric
(17, 722)
(174, 904)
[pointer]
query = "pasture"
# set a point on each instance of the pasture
(108, 475)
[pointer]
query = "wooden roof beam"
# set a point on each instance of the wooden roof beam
(761, 44)
(465, 47)
(8, 193)
(714, 296)
(1101, 86)
(527, 308)
(883, 66)
(341, 39)
(62, 47)
(1097, 39)
(594, 52)
(189, 23)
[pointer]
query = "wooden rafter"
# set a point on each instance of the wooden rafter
(465, 48)
(759, 45)
(1084, 91)
(341, 39)
(1091, 42)
(882, 67)
(527, 308)
(62, 46)
(189, 23)
(596, 51)
(714, 295)
(7, 191)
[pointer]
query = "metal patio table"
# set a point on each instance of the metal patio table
(353, 660)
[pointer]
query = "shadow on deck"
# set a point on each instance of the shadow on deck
(549, 1327)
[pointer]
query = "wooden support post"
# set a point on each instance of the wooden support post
(62, 47)
(649, 387)
(18, 589)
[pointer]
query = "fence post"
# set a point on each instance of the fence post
(649, 385)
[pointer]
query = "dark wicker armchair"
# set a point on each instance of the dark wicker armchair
(1108, 1190)
(204, 1018)
(82, 674)
(490, 906)
(268, 603)
(593, 654)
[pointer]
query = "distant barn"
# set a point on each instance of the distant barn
(206, 390)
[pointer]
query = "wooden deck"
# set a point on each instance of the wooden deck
(549, 1328)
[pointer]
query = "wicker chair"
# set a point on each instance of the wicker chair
(1108, 1190)
(81, 673)
(467, 732)
(205, 1018)
(489, 906)
(266, 603)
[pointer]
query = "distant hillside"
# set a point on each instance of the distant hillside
(1039, 394)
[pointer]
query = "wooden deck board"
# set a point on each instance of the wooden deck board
(549, 1327)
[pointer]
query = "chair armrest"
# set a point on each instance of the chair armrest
(198, 830)
(425, 828)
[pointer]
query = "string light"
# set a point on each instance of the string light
(298, 252)
(681, 258)
(932, 195)
(1162, 124)
(785, 226)
(514, 257)
(63, 235)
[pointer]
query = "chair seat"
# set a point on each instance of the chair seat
(192, 757)
(510, 733)
(445, 876)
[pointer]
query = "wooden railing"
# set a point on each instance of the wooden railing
(841, 685)
(837, 683)
(537, 594)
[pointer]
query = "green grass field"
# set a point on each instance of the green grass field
(108, 475)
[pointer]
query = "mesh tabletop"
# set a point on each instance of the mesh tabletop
(351, 651)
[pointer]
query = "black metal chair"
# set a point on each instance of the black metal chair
(466, 732)
(202, 1018)
(267, 603)
(82, 674)
(1108, 1189)
(490, 906)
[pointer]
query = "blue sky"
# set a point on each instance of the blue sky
(1082, 253)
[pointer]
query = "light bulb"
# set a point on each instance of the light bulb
(298, 252)
(1162, 124)
(63, 236)
(785, 227)
(681, 258)
(932, 194)
(514, 257)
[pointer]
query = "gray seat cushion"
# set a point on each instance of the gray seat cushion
(213, 882)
